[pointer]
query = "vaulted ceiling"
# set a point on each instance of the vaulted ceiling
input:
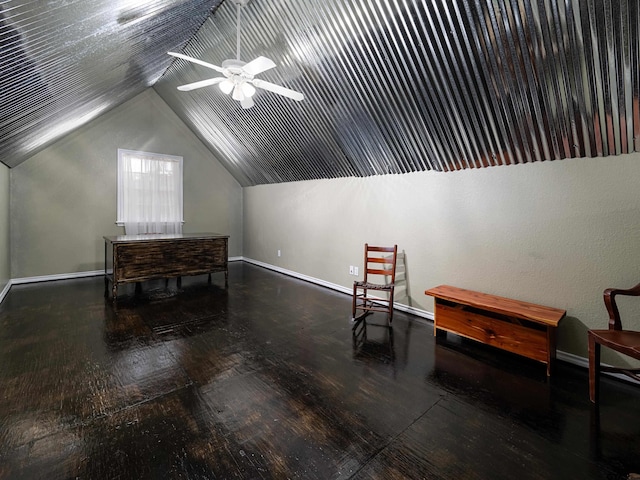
(391, 86)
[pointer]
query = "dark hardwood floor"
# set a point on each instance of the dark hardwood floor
(265, 380)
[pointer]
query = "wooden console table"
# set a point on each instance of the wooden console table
(136, 258)
(518, 327)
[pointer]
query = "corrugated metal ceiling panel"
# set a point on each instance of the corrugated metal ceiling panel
(391, 86)
(63, 63)
(397, 86)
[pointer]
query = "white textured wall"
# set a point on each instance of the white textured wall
(554, 233)
(63, 199)
(5, 270)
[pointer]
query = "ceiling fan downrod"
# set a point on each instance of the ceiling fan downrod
(239, 4)
(238, 17)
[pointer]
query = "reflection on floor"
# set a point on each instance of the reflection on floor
(266, 380)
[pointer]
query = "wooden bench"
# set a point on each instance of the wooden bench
(518, 327)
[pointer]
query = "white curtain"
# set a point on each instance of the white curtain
(150, 193)
(135, 228)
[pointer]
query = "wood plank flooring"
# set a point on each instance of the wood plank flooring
(265, 380)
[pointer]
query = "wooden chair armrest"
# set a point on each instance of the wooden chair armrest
(612, 308)
(635, 291)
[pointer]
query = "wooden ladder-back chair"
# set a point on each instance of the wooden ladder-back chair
(616, 338)
(378, 261)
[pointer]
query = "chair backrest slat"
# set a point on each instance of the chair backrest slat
(381, 249)
(378, 260)
(373, 271)
(388, 267)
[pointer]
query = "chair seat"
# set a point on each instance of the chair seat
(373, 286)
(625, 341)
(616, 338)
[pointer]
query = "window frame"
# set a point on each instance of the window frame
(122, 153)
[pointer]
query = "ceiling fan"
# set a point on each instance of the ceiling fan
(239, 77)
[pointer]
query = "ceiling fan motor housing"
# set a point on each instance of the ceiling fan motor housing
(232, 64)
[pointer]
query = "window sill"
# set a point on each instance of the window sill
(121, 224)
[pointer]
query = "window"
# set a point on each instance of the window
(149, 192)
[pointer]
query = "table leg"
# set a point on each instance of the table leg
(106, 278)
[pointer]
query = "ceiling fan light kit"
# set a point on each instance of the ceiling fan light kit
(239, 77)
(226, 86)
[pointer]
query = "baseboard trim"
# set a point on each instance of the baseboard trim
(5, 290)
(574, 359)
(69, 276)
(58, 276)
(560, 355)
(291, 273)
(334, 286)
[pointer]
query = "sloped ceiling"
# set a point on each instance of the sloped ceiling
(391, 86)
(65, 62)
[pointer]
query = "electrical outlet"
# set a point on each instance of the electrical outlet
(355, 271)
(350, 269)
(278, 252)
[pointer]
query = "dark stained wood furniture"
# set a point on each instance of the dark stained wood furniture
(378, 262)
(615, 338)
(136, 258)
(518, 327)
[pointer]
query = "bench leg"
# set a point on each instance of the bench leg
(551, 349)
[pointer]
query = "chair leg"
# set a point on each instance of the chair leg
(594, 370)
(391, 305)
(353, 304)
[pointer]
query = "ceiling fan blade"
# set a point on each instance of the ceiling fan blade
(201, 83)
(258, 65)
(199, 62)
(247, 102)
(272, 87)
